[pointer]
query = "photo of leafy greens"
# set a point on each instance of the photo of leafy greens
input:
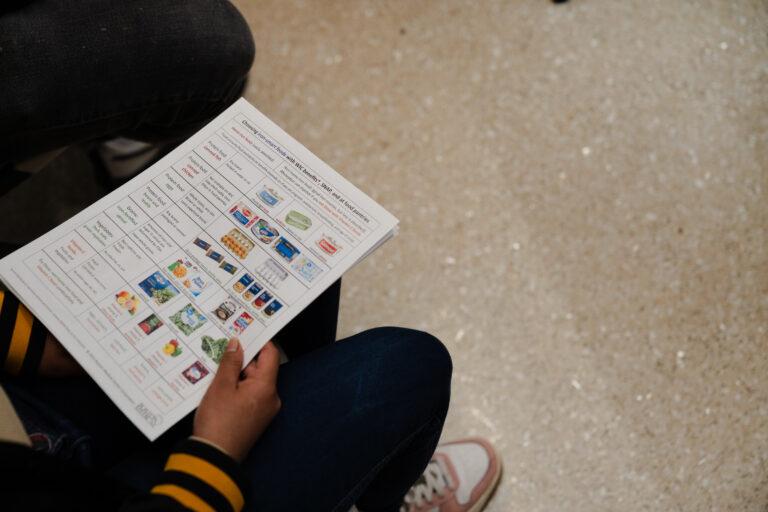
(188, 319)
(214, 348)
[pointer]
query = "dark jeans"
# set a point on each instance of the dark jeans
(360, 420)
(154, 70)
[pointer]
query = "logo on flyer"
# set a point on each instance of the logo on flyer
(150, 417)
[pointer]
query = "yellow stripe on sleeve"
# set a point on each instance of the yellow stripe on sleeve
(189, 499)
(209, 474)
(2, 298)
(19, 340)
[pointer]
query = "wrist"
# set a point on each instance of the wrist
(201, 439)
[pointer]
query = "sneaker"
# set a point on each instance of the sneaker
(460, 478)
(124, 158)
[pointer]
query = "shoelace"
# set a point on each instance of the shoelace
(435, 480)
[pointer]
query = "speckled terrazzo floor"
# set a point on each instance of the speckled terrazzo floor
(582, 195)
(581, 191)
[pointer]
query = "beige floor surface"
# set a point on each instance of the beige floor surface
(581, 191)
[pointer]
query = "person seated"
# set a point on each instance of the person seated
(354, 421)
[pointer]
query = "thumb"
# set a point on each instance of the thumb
(230, 365)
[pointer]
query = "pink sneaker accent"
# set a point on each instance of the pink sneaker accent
(460, 478)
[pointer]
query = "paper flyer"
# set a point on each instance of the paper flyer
(233, 233)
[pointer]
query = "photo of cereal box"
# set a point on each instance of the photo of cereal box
(243, 214)
(272, 308)
(238, 243)
(158, 288)
(241, 323)
(188, 319)
(195, 372)
(286, 249)
(150, 324)
(189, 276)
(225, 310)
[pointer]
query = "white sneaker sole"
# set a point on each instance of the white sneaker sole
(477, 507)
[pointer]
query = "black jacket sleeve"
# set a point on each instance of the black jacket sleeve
(22, 337)
(197, 477)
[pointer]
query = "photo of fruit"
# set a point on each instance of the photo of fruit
(127, 301)
(178, 269)
(189, 276)
(172, 348)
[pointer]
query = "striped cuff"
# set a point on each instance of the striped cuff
(22, 337)
(202, 478)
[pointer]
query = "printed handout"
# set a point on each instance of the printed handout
(233, 233)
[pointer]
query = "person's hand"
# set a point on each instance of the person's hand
(234, 412)
(56, 361)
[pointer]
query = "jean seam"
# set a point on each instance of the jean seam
(377, 467)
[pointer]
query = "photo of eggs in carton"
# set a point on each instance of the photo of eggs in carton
(238, 243)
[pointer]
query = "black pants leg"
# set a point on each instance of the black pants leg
(155, 70)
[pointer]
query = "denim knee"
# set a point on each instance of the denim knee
(429, 357)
